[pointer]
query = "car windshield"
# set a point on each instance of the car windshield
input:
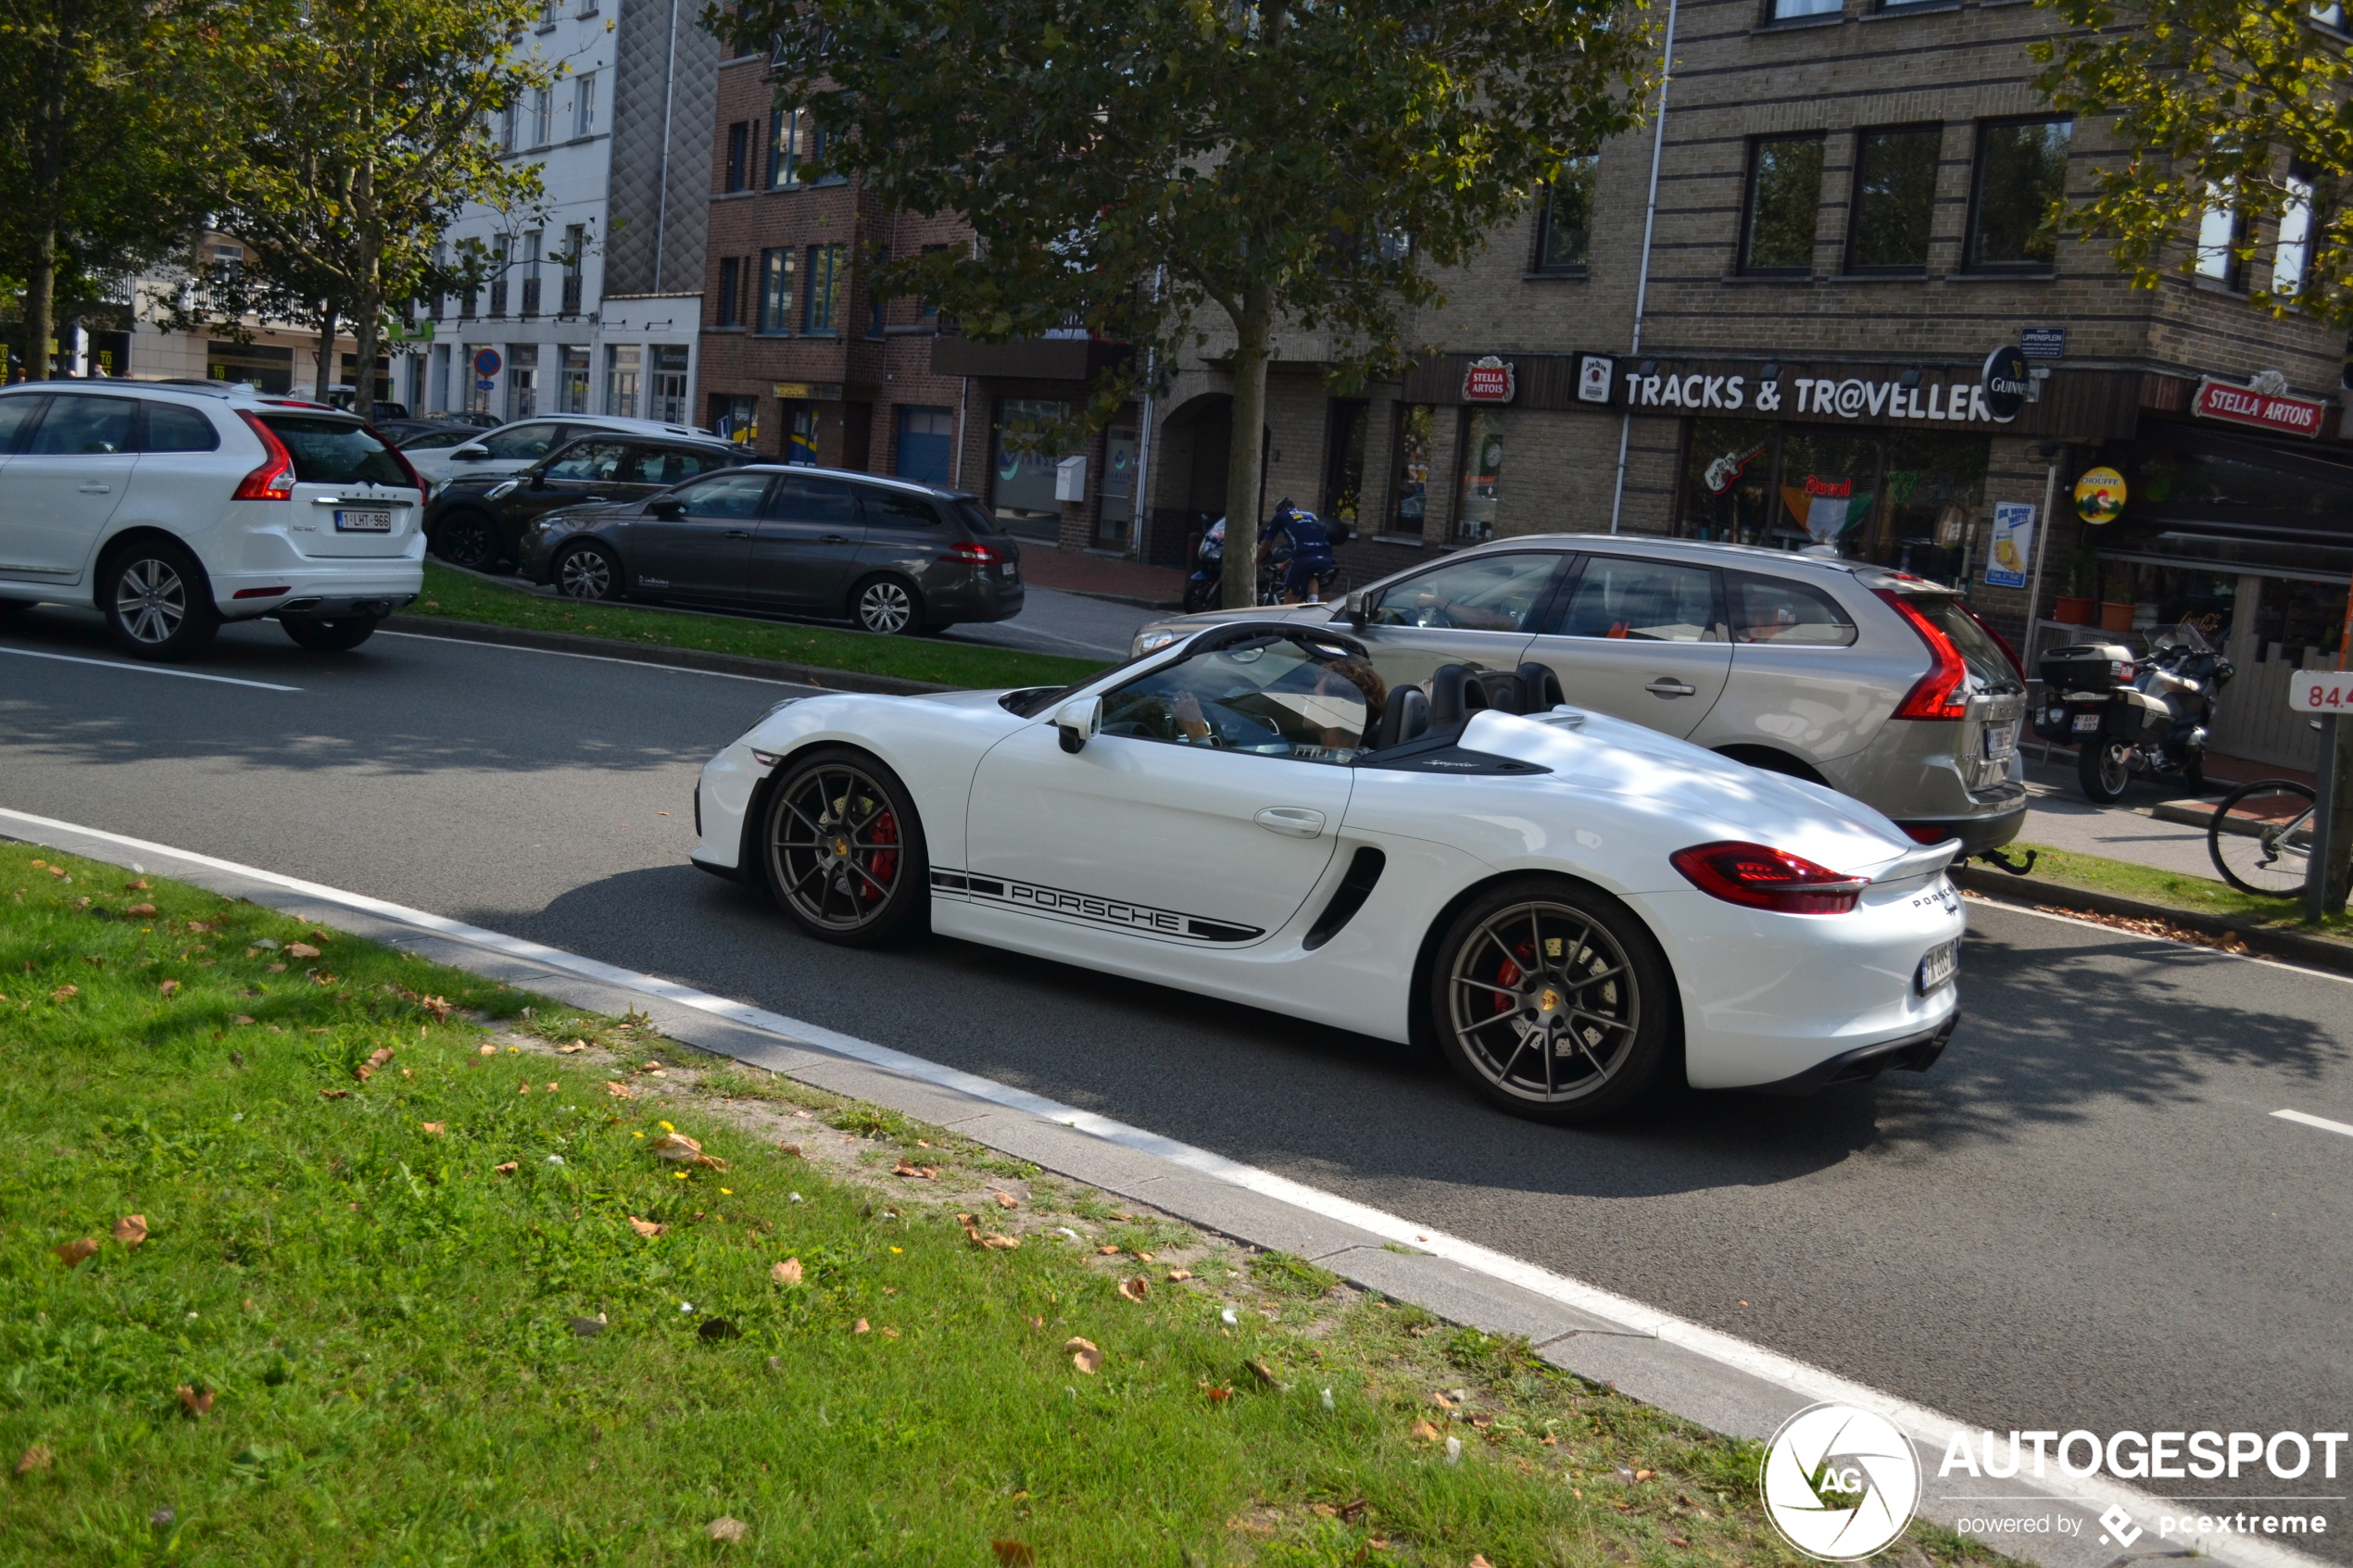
(329, 451)
(1272, 697)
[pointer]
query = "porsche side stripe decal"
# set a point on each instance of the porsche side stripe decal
(1087, 907)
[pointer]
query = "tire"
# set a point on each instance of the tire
(1488, 1011)
(329, 634)
(156, 602)
(14, 609)
(587, 572)
(842, 849)
(2103, 767)
(2194, 773)
(1197, 596)
(887, 605)
(2269, 865)
(469, 539)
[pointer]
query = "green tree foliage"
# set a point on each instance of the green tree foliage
(2218, 104)
(1301, 165)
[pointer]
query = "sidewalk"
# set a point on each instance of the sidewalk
(2056, 814)
(1102, 577)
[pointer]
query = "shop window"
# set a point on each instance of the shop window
(571, 395)
(1344, 462)
(1894, 198)
(1728, 484)
(1022, 484)
(523, 379)
(2020, 192)
(624, 368)
(825, 289)
(1482, 475)
(1564, 224)
(2299, 616)
(1935, 480)
(1785, 202)
(775, 290)
(731, 287)
(801, 436)
(1790, 10)
(1409, 486)
(735, 417)
(739, 155)
(2293, 247)
(669, 404)
(1828, 483)
(925, 441)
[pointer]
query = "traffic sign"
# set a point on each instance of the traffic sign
(2321, 691)
(486, 363)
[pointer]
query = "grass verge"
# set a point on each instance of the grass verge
(2206, 896)
(317, 1252)
(456, 596)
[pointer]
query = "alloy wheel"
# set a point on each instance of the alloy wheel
(884, 606)
(585, 574)
(151, 601)
(1544, 1003)
(2116, 767)
(837, 848)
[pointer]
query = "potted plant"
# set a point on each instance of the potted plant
(2073, 607)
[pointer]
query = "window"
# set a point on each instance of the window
(1911, 500)
(775, 291)
(893, 508)
(736, 418)
(583, 103)
(670, 465)
(926, 436)
(1275, 698)
(801, 436)
(1784, 203)
(575, 249)
(1344, 460)
(524, 444)
(532, 244)
(325, 451)
(624, 365)
(498, 276)
(478, 387)
(2294, 248)
(2220, 229)
(1786, 614)
(543, 116)
(669, 401)
(829, 502)
(1728, 484)
(592, 460)
(1894, 198)
(731, 284)
(171, 428)
(739, 155)
(1482, 474)
(1789, 10)
(1485, 593)
(571, 396)
(229, 263)
(523, 379)
(1564, 224)
(1640, 601)
(2021, 187)
(825, 288)
(784, 127)
(1023, 481)
(508, 119)
(1416, 445)
(732, 495)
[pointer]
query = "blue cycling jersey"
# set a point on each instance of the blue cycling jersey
(1308, 537)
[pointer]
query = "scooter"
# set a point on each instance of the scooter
(2130, 715)
(1207, 583)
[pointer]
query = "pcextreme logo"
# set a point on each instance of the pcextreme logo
(1840, 1483)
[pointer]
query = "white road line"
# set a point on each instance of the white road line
(2065, 919)
(2322, 1123)
(150, 670)
(604, 659)
(1930, 1427)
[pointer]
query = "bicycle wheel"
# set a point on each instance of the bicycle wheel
(2261, 837)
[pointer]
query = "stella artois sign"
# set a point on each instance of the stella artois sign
(1491, 379)
(2264, 403)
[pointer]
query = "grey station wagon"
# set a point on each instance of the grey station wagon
(1881, 685)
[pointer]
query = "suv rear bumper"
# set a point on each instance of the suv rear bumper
(374, 589)
(1977, 834)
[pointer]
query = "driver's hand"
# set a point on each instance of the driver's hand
(1188, 715)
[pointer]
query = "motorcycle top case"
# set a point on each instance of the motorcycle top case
(2085, 666)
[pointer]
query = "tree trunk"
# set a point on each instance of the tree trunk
(40, 304)
(1246, 466)
(326, 351)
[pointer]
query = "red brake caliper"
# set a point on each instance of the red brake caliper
(883, 865)
(1510, 975)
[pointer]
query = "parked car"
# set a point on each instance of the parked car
(475, 417)
(513, 447)
(890, 554)
(173, 507)
(1575, 909)
(1876, 683)
(425, 435)
(347, 398)
(479, 520)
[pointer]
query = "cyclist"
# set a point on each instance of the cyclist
(1311, 552)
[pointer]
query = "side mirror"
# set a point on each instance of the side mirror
(1077, 722)
(1353, 610)
(666, 506)
(539, 479)
(472, 452)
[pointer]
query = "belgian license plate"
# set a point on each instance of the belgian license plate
(1942, 963)
(363, 522)
(2001, 740)
(2087, 723)
(1009, 569)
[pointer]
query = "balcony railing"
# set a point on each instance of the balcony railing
(572, 297)
(499, 297)
(531, 297)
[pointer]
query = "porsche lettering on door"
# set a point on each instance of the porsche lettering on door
(1117, 912)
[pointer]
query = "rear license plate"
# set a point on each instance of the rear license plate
(2001, 740)
(363, 522)
(1942, 963)
(1009, 569)
(2087, 723)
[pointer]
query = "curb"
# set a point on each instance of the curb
(1133, 601)
(2289, 947)
(648, 653)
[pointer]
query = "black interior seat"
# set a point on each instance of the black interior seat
(1406, 717)
(1455, 692)
(1540, 688)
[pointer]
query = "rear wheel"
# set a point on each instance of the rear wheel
(10, 609)
(156, 601)
(887, 605)
(2260, 838)
(1553, 1001)
(2103, 768)
(467, 539)
(843, 849)
(588, 571)
(339, 634)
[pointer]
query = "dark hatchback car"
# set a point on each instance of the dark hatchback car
(481, 521)
(891, 555)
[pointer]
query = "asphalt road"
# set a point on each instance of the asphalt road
(2086, 1216)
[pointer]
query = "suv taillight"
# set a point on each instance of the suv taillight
(275, 480)
(1938, 693)
(974, 555)
(1760, 878)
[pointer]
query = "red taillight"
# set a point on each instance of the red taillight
(1930, 833)
(1767, 879)
(415, 483)
(975, 554)
(1937, 695)
(275, 480)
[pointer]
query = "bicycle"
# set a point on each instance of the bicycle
(2266, 848)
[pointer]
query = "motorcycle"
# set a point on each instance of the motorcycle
(1208, 581)
(2126, 714)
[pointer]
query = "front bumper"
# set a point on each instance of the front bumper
(1913, 1053)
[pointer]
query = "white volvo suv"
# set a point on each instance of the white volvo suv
(173, 506)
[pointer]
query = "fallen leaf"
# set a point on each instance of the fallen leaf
(505, 1167)
(37, 1457)
(141, 911)
(1218, 1392)
(523, 1087)
(1482, 1420)
(140, 885)
(1425, 1432)
(1144, 1257)
(435, 1129)
(675, 1147)
(646, 1227)
(1262, 1371)
(1108, 1251)
(725, 1529)
(618, 1091)
(130, 1230)
(890, 1334)
(1136, 1290)
(73, 1252)
(923, 1172)
(858, 1327)
(551, 1088)
(1177, 1275)
(1352, 1512)
(1548, 1442)
(996, 1243)
(791, 1148)
(1083, 1356)
(277, 969)
(199, 1404)
(1438, 1398)
(441, 1011)
(63, 993)
(1644, 1474)
(787, 1273)
(573, 1048)
(241, 1017)
(1014, 1554)
(376, 1058)
(334, 1094)
(1479, 1559)
(1678, 1540)
(301, 950)
(1007, 1200)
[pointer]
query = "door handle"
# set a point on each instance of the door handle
(736, 534)
(833, 539)
(591, 500)
(97, 489)
(1291, 821)
(1667, 686)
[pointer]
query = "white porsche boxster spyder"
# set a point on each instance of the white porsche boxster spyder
(1572, 908)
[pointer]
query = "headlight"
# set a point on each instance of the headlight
(504, 488)
(1153, 642)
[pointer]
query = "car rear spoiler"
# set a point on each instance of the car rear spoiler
(1927, 860)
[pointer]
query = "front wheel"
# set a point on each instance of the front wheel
(2103, 768)
(843, 849)
(588, 571)
(467, 539)
(156, 603)
(2260, 838)
(336, 635)
(1553, 1001)
(885, 605)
